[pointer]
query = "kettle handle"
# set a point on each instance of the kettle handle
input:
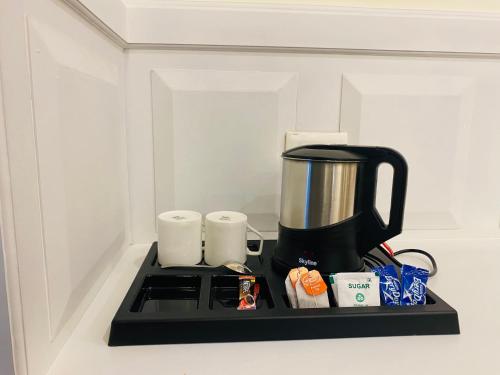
(374, 225)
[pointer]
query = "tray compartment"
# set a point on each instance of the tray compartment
(162, 293)
(224, 293)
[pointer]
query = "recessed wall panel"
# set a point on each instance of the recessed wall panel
(427, 119)
(79, 144)
(218, 136)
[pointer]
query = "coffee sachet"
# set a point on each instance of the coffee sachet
(414, 285)
(247, 298)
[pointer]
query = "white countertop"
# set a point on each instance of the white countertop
(466, 280)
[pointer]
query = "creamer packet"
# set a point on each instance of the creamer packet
(414, 285)
(390, 286)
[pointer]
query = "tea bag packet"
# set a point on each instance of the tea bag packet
(290, 284)
(356, 289)
(390, 286)
(311, 291)
(414, 285)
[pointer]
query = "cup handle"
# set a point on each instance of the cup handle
(252, 229)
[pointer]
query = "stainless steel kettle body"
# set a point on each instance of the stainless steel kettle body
(315, 194)
(328, 218)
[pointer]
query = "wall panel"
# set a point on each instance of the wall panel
(202, 120)
(426, 118)
(76, 111)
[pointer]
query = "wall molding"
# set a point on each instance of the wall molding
(298, 29)
(93, 19)
(308, 50)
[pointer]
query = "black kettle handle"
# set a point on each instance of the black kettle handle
(374, 225)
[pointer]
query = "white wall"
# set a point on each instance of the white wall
(65, 187)
(439, 112)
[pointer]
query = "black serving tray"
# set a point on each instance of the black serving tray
(168, 306)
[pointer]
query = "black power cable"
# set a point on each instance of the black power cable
(374, 259)
(369, 264)
(405, 251)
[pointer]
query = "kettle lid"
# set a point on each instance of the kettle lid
(331, 153)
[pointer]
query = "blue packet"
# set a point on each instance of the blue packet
(414, 283)
(390, 287)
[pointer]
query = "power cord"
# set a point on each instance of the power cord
(369, 264)
(393, 259)
(375, 259)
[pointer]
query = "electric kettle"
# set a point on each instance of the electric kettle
(328, 218)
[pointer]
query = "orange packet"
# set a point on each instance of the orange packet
(295, 274)
(313, 283)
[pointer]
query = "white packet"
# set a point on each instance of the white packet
(290, 285)
(312, 291)
(355, 289)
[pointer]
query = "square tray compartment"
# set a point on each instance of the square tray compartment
(166, 306)
(168, 293)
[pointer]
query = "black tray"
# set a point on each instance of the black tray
(167, 306)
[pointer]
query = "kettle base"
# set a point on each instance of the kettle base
(282, 268)
(330, 249)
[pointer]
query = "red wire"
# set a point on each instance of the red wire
(388, 248)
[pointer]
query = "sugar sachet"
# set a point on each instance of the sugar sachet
(355, 289)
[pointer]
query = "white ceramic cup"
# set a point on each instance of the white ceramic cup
(226, 238)
(179, 238)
